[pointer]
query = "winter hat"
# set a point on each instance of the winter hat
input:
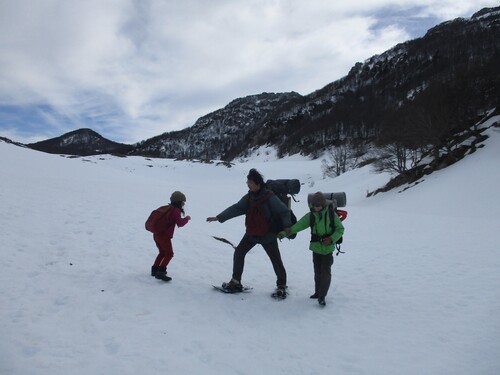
(177, 196)
(256, 177)
(318, 199)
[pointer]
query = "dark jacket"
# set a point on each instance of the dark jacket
(274, 210)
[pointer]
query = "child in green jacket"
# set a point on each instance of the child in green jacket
(323, 240)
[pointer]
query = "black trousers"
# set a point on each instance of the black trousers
(322, 273)
(273, 252)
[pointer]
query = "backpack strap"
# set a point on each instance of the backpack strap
(331, 214)
(331, 211)
(312, 220)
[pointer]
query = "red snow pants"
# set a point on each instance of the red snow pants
(165, 250)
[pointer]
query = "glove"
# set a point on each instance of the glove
(326, 241)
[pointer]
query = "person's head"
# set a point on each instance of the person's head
(318, 201)
(255, 181)
(178, 199)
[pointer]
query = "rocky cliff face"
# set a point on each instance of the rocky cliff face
(223, 134)
(458, 58)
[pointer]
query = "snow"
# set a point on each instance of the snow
(417, 291)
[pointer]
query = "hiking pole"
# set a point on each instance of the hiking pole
(224, 240)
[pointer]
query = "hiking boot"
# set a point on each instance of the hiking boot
(321, 301)
(161, 274)
(163, 277)
(154, 269)
(281, 291)
(233, 286)
(314, 296)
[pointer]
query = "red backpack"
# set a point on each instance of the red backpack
(158, 220)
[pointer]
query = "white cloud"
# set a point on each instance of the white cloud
(151, 66)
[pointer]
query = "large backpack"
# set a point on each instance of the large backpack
(285, 190)
(158, 220)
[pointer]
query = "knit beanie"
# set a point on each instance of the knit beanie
(318, 199)
(177, 196)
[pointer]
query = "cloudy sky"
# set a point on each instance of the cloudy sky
(133, 69)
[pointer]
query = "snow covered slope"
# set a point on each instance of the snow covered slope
(416, 292)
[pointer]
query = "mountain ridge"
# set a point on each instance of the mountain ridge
(80, 142)
(455, 60)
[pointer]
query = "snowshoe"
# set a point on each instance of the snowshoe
(233, 286)
(244, 289)
(280, 292)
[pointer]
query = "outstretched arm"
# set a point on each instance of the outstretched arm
(237, 209)
(178, 220)
(300, 225)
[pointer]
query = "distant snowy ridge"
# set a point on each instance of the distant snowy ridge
(456, 60)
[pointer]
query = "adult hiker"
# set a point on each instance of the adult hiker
(163, 238)
(263, 210)
(324, 236)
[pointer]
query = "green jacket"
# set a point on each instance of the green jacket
(321, 227)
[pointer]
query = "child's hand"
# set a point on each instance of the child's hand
(326, 241)
(188, 217)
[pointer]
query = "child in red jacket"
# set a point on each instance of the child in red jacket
(163, 239)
